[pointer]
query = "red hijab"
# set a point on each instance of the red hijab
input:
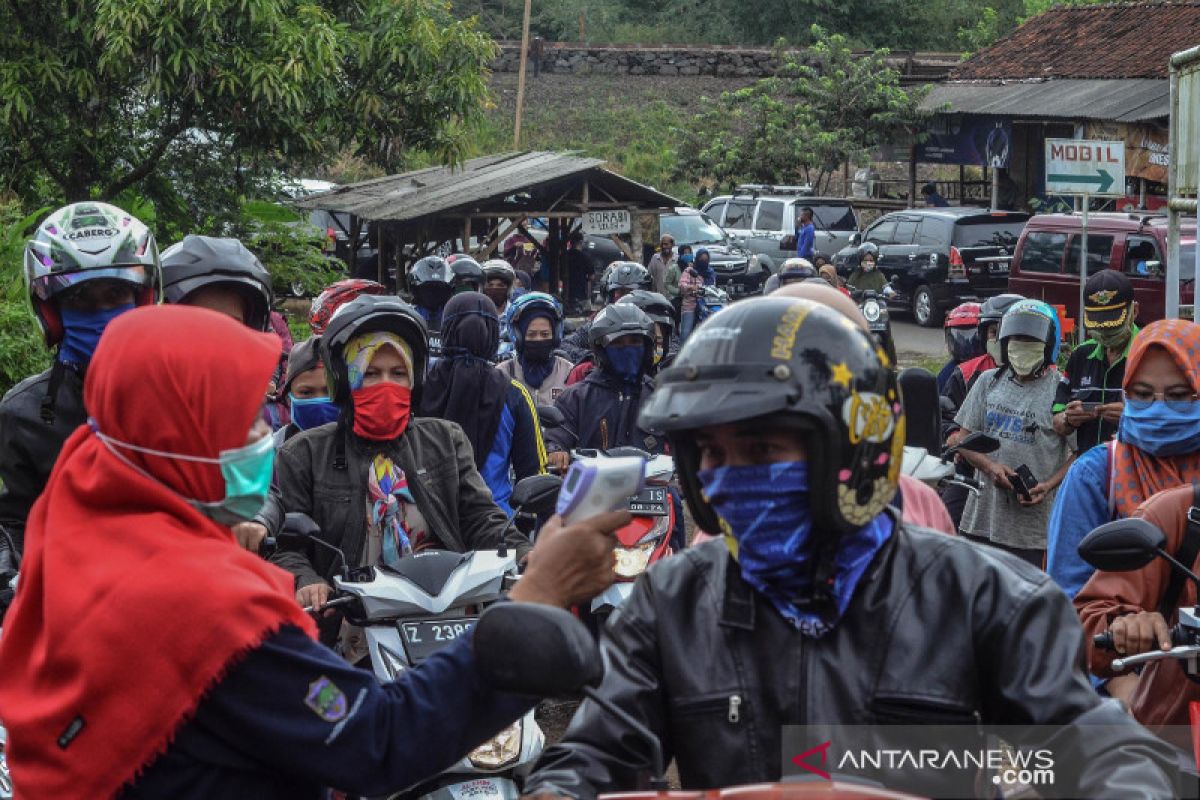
(131, 604)
(1137, 475)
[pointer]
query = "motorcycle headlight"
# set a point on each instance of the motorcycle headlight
(871, 310)
(501, 749)
(632, 561)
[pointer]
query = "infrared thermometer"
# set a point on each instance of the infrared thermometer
(599, 485)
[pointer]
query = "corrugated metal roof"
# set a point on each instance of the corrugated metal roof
(1115, 40)
(476, 183)
(1129, 100)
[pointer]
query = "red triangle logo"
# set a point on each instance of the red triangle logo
(801, 760)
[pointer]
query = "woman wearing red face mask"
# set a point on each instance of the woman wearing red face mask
(381, 483)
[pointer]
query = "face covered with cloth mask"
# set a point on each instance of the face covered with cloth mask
(379, 365)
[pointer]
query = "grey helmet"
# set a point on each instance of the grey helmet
(200, 261)
(617, 320)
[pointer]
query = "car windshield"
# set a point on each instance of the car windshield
(988, 231)
(691, 229)
(834, 218)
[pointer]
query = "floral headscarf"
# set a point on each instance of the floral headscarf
(362, 348)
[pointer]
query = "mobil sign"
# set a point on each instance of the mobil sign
(1085, 166)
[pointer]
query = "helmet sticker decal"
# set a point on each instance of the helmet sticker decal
(867, 416)
(785, 333)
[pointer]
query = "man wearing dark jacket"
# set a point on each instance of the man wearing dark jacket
(87, 264)
(601, 411)
(820, 607)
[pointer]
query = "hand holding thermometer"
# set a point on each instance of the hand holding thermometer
(598, 485)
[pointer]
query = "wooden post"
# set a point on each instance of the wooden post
(555, 242)
(521, 76)
(912, 176)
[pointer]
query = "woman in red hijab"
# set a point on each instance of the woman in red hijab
(147, 655)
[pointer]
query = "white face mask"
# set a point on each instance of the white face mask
(1026, 358)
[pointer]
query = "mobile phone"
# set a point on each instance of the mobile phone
(598, 485)
(1091, 406)
(1024, 482)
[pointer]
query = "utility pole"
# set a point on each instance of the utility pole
(521, 76)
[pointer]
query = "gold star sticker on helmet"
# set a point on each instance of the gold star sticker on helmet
(842, 374)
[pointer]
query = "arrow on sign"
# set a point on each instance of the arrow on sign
(1103, 179)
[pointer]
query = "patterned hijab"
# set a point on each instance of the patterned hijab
(1136, 475)
(387, 485)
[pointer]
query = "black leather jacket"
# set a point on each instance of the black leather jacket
(29, 445)
(436, 458)
(940, 631)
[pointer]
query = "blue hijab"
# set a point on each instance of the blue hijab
(704, 267)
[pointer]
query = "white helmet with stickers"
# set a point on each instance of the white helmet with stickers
(83, 242)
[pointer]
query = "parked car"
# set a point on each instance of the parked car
(940, 257)
(761, 216)
(739, 271)
(1046, 263)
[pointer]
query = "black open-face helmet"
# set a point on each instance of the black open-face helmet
(617, 320)
(203, 261)
(466, 275)
(367, 314)
(992, 311)
(626, 275)
(789, 362)
(654, 306)
(429, 281)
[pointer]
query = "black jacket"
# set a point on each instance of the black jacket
(29, 445)
(440, 468)
(939, 631)
(599, 412)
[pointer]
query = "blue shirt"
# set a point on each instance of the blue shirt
(518, 450)
(805, 240)
(1080, 506)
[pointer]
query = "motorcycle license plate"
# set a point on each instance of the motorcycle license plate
(998, 269)
(651, 501)
(481, 789)
(423, 639)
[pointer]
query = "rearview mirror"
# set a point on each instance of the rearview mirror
(297, 526)
(536, 494)
(534, 649)
(1123, 545)
(855, 239)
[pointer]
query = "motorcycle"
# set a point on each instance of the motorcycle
(644, 541)
(412, 610)
(874, 308)
(1126, 545)
(710, 300)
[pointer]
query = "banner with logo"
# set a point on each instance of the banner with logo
(966, 139)
(1146, 152)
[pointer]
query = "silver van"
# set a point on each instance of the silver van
(759, 217)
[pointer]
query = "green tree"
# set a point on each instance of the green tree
(103, 97)
(824, 107)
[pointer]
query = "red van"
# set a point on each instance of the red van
(1046, 263)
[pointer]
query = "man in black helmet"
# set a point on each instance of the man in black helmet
(820, 606)
(601, 411)
(218, 274)
(621, 278)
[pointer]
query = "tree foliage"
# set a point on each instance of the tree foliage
(191, 101)
(823, 108)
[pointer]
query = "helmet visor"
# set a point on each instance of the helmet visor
(51, 285)
(963, 343)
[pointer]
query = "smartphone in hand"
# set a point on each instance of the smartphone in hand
(1023, 482)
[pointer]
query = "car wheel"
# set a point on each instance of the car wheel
(297, 288)
(925, 308)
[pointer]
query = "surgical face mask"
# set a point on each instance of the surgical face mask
(247, 472)
(82, 330)
(868, 265)
(993, 349)
(1026, 358)
(312, 412)
(1161, 427)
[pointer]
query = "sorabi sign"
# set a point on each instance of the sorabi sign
(1083, 166)
(606, 223)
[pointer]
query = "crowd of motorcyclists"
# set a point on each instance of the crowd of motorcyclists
(150, 651)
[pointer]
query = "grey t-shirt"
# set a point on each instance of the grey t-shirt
(1020, 416)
